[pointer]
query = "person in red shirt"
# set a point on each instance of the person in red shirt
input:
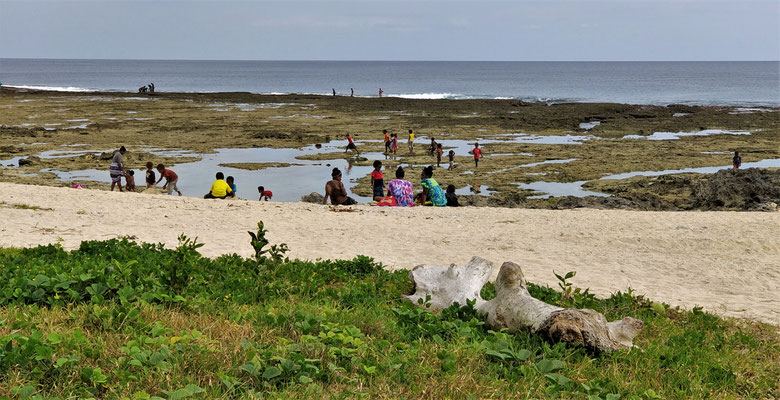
(351, 144)
(171, 179)
(264, 194)
(377, 181)
(477, 154)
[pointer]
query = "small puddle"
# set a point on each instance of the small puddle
(589, 125)
(677, 135)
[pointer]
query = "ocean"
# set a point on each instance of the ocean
(695, 83)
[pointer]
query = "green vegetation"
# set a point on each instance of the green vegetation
(116, 319)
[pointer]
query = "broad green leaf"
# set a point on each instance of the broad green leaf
(271, 372)
(549, 365)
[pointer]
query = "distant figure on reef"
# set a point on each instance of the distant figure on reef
(171, 179)
(336, 191)
(334, 92)
(387, 141)
(143, 89)
(150, 177)
(737, 160)
(117, 168)
(401, 189)
(451, 155)
(432, 194)
(264, 194)
(232, 183)
(351, 144)
(377, 181)
(380, 92)
(411, 141)
(394, 143)
(351, 92)
(219, 189)
(477, 154)
(432, 148)
(439, 153)
(151, 87)
(130, 181)
(452, 198)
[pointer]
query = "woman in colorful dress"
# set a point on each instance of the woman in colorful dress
(432, 194)
(401, 189)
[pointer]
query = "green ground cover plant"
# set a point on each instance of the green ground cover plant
(118, 319)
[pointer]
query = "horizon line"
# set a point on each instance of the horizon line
(324, 60)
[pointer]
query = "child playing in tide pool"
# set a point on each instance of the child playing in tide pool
(264, 194)
(439, 153)
(377, 181)
(451, 155)
(150, 177)
(130, 181)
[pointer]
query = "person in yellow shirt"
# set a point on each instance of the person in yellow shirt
(411, 141)
(220, 189)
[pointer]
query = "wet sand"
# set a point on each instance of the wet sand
(726, 262)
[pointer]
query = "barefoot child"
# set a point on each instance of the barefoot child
(171, 179)
(394, 144)
(451, 155)
(264, 194)
(130, 181)
(351, 144)
(150, 177)
(439, 152)
(377, 181)
(477, 154)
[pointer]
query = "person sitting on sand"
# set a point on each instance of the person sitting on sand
(377, 181)
(452, 198)
(451, 155)
(171, 179)
(232, 182)
(130, 181)
(219, 189)
(117, 168)
(411, 141)
(401, 189)
(336, 191)
(351, 144)
(150, 177)
(737, 160)
(264, 194)
(432, 194)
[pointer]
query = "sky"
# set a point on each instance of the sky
(520, 30)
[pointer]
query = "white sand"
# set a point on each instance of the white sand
(727, 262)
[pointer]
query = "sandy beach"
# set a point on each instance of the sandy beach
(726, 262)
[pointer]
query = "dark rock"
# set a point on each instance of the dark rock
(312, 197)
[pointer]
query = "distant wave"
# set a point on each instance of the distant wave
(51, 88)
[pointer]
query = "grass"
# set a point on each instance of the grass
(21, 206)
(116, 319)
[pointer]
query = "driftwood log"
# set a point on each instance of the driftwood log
(515, 309)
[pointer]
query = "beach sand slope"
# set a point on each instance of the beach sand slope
(726, 262)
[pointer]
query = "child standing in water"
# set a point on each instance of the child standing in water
(377, 181)
(451, 155)
(439, 153)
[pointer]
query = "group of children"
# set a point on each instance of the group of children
(223, 188)
(400, 191)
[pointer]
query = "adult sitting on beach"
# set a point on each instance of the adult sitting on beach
(117, 168)
(219, 189)
(432, 194)
(401, 189)
(336, 191)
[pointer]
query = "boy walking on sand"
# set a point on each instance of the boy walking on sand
(171, 179)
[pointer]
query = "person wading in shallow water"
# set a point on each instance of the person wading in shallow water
(336, 191)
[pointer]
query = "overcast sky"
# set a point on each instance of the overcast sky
(517, 30)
